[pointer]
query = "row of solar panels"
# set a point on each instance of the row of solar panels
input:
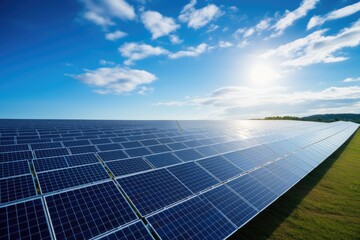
(238, 191)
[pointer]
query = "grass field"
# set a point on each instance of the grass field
(324, 205)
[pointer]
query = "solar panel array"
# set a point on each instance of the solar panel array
(79, 179)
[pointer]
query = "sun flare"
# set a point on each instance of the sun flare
(262, 74)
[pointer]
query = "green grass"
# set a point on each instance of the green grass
(324, 205)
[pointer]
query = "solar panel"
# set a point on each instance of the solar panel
(136, 231)
(220, 167)
(81, 159)
(231, 205)
(112, 155)
(184, 179)
(25, 220)
(54, 152)
(44, 164)
(87, 212)
(153, 190)
(188, 155)
(13, 156)
(14, 168)
(192, 219)
(162, 159)
(128, 166)
(193, 176)
(16, 188)
(71, 177)
(253, 191)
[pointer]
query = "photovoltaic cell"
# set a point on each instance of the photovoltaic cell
(153, 190)
(16, 188)
(128, 166)
(253, 191)
(71, 177)
(110, 146)
(220, 167)
(82, 149)
(192, 219)
(136, 152)
(135, 231)
(188, 155)
(269, 180)
(230, 204)
(112, 155)
(13, 148)
(13, 156)
(9, 169)
(87, 212)
(54, 152)
(25, 220)
(44, 164)
(162, 159)
(193, 176)
(159, 148)
(81, 159)
(37, 146)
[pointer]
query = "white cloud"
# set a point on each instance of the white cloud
(336, 14)
(349, 79)
(197, 18)
(317, 48)
(243, 44)
(211, 28)
(135, 51)
(105, 62)
(158, 24)
(190, 51)
(257, 29)
(291, 16)
(224, 44)
(174, 39)
(145, 90)
(238, 100)
(115, 80)
(98, 20)
(115, 35)
(101, 12)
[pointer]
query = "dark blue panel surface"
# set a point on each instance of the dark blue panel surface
(193, 219)
(87, 212)
(154, 190)
(128, 166)
(112, 155)
(177, 146)
(54, 152)
(188, 155)
(44, 164)
(13, 156)
(220, 167)
(193, 176)
(110, 146)
(253, 191)
(14, 148)
(137, 152)
(159, 148)
(269, 180)
(25, 220)
(37, 146)
(81, 159)
(16, 188)
(83, 149)
(162, 159)
(71, 177)
(231, 205)
(9, 169)
(136, 231)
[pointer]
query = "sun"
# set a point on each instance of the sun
(262, 74)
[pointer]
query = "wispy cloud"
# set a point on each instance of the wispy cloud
(224, 44)
(336, 14)
(174, 39)
(197, 18)
(264, 24)
(236, 101)
(349, 80)
(106, 62)
(158, 24)
(113, 36)
(115, 80)
(135, 51)
(291, 16)
(190, 51)
(317, 48)
(102, 12)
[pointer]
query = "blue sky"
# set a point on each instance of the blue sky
(152, 59)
